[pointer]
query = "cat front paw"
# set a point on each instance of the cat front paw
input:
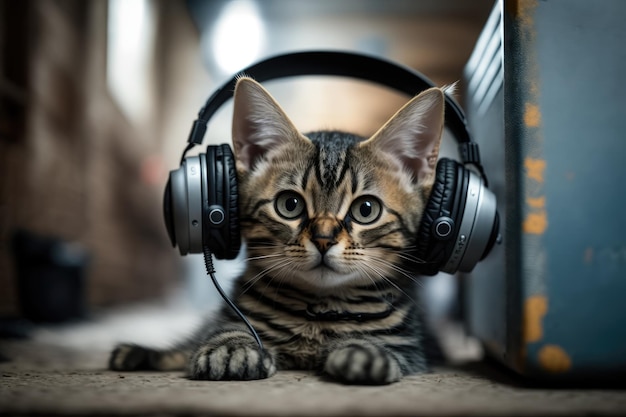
(240, 362)
(362, 364)
(129, 357)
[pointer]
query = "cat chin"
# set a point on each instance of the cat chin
(323, 277)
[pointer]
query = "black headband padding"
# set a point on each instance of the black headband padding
(346, 64)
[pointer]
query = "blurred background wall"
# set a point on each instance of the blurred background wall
(97, 98)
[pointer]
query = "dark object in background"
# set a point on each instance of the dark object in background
(15, 328)
(51, 277)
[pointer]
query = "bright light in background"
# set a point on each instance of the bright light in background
(129, 52)
(238, 36)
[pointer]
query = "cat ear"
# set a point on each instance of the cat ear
(413, 135)
(259, 123)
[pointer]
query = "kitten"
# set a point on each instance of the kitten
(330, 222)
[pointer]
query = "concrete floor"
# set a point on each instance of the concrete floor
(62, 371)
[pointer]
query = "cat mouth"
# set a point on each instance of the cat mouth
(323, 265)
(326, 277)
(326, 272)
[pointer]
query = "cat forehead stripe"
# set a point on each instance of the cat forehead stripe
(331, 159)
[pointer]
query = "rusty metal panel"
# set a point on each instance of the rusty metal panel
(545, 102)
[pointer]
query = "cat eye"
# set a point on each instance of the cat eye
(365, 209)
(289, 205)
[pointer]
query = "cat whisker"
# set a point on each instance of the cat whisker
(411, 258)
(396, 268)
(375, 266)
(252, 281)
(282, 275)
(264, 244)
(367, 268)
(406, 254)
(256, 258)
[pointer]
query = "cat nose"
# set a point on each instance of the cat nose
(324, 232)
(323, 243)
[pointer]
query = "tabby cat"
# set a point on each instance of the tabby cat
(330, 222)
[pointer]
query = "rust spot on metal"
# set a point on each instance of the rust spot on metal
(532, 115)
(536, 220)
(538, 202)
(535, 168)
(535, 223)
(554, 359)
(512, 7)
(535, 308)
(522, 10)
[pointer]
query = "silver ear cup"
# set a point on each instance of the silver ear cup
(476, 228)
(179, 215)
(194, 200)
(186, 205)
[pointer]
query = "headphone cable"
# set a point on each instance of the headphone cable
(187, 149)
(208, 262)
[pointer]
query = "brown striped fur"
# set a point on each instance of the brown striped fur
(329, 284)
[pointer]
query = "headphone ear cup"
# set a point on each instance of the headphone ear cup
(438, 225)
(232, 207)
(221, 233)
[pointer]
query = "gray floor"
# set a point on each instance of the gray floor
(61, 371)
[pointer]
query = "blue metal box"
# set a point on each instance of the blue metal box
(546, 91)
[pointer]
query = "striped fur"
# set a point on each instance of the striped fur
(330, 288)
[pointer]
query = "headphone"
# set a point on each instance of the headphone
(460, 223)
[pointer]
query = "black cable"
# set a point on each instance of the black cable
(187, 149)
(210, 270)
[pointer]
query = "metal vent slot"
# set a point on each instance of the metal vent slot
(484, 69)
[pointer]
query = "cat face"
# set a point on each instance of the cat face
(331, 209)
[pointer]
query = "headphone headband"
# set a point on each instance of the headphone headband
(347, 64)
(460, 222)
